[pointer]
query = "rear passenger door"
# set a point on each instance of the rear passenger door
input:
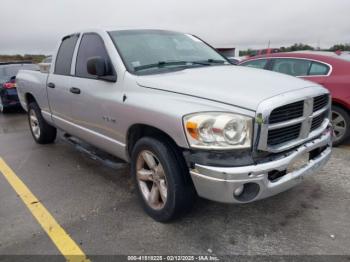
(318, 72)
(59, 82)
(291, 66)
(305, 68)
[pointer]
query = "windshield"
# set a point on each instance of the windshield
(155, 51)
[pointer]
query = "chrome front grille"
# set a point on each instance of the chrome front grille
(317, 121)
(287, 123)
(320, 102)
(287, 112)
(284, 134)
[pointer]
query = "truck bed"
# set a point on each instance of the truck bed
(34, 83)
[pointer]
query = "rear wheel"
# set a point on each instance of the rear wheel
(162, 179)
(341, 124)
(43, 133)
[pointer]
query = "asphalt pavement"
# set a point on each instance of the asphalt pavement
(92, 197)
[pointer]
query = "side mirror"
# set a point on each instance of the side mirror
(99, 67)
(96, 66)
(233, 61)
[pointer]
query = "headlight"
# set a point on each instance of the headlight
(218, 130)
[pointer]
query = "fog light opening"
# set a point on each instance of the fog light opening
(246, 192)
(238, 190)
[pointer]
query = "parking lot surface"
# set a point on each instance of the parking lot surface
(94, 201)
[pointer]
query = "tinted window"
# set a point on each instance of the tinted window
(91, 45)
(64, 55)
(290, 66)
(260, 63)
(318, 69)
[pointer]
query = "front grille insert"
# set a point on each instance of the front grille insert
(317, 121)
(320, 102)
(287, 112)
(284, 134)
(287, 125)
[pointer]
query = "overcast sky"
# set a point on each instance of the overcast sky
(35, 26)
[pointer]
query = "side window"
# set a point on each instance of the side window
(91, 45)
(318, 69)
(259, 63)
(65, 54)
(290, 66)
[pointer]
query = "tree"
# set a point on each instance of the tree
(295, 47)
(342, 47)
(298, 47)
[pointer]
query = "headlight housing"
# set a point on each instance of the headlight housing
(216, 130)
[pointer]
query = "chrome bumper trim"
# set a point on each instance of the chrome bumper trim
(219, 183)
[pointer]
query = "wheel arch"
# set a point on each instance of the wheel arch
(339, 103)
(137, 131)
(29, 98)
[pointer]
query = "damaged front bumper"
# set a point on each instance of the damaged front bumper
(253, 182)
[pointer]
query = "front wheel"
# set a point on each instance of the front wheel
(162, 179)
(341, 125)
(42, 132)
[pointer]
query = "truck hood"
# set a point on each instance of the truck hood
(234, 85)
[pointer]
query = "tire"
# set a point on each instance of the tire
(2, 108)
(42, 132)
(180, 193)
(341, 125)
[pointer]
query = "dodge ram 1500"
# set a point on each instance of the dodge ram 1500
(188, 122)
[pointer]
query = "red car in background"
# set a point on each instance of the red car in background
(326, 68)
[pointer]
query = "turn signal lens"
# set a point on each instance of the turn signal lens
(192, 129)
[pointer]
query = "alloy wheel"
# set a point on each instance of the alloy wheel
(339, 125)
(151, 179)
(34, 124)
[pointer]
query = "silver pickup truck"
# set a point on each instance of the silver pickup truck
(189, 122)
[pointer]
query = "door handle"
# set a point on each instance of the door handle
(74, 90)
(51, 85)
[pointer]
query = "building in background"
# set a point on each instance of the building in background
(228, 51)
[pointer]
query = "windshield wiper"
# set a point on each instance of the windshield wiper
(213, 61)
(162, 64)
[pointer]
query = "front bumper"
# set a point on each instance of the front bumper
(220, 183)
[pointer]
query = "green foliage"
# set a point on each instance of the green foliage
(299, 47)
(342, 47)
(246, 52)
(26, 57)
(296, 47)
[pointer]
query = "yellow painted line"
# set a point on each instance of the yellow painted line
(59, 237)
